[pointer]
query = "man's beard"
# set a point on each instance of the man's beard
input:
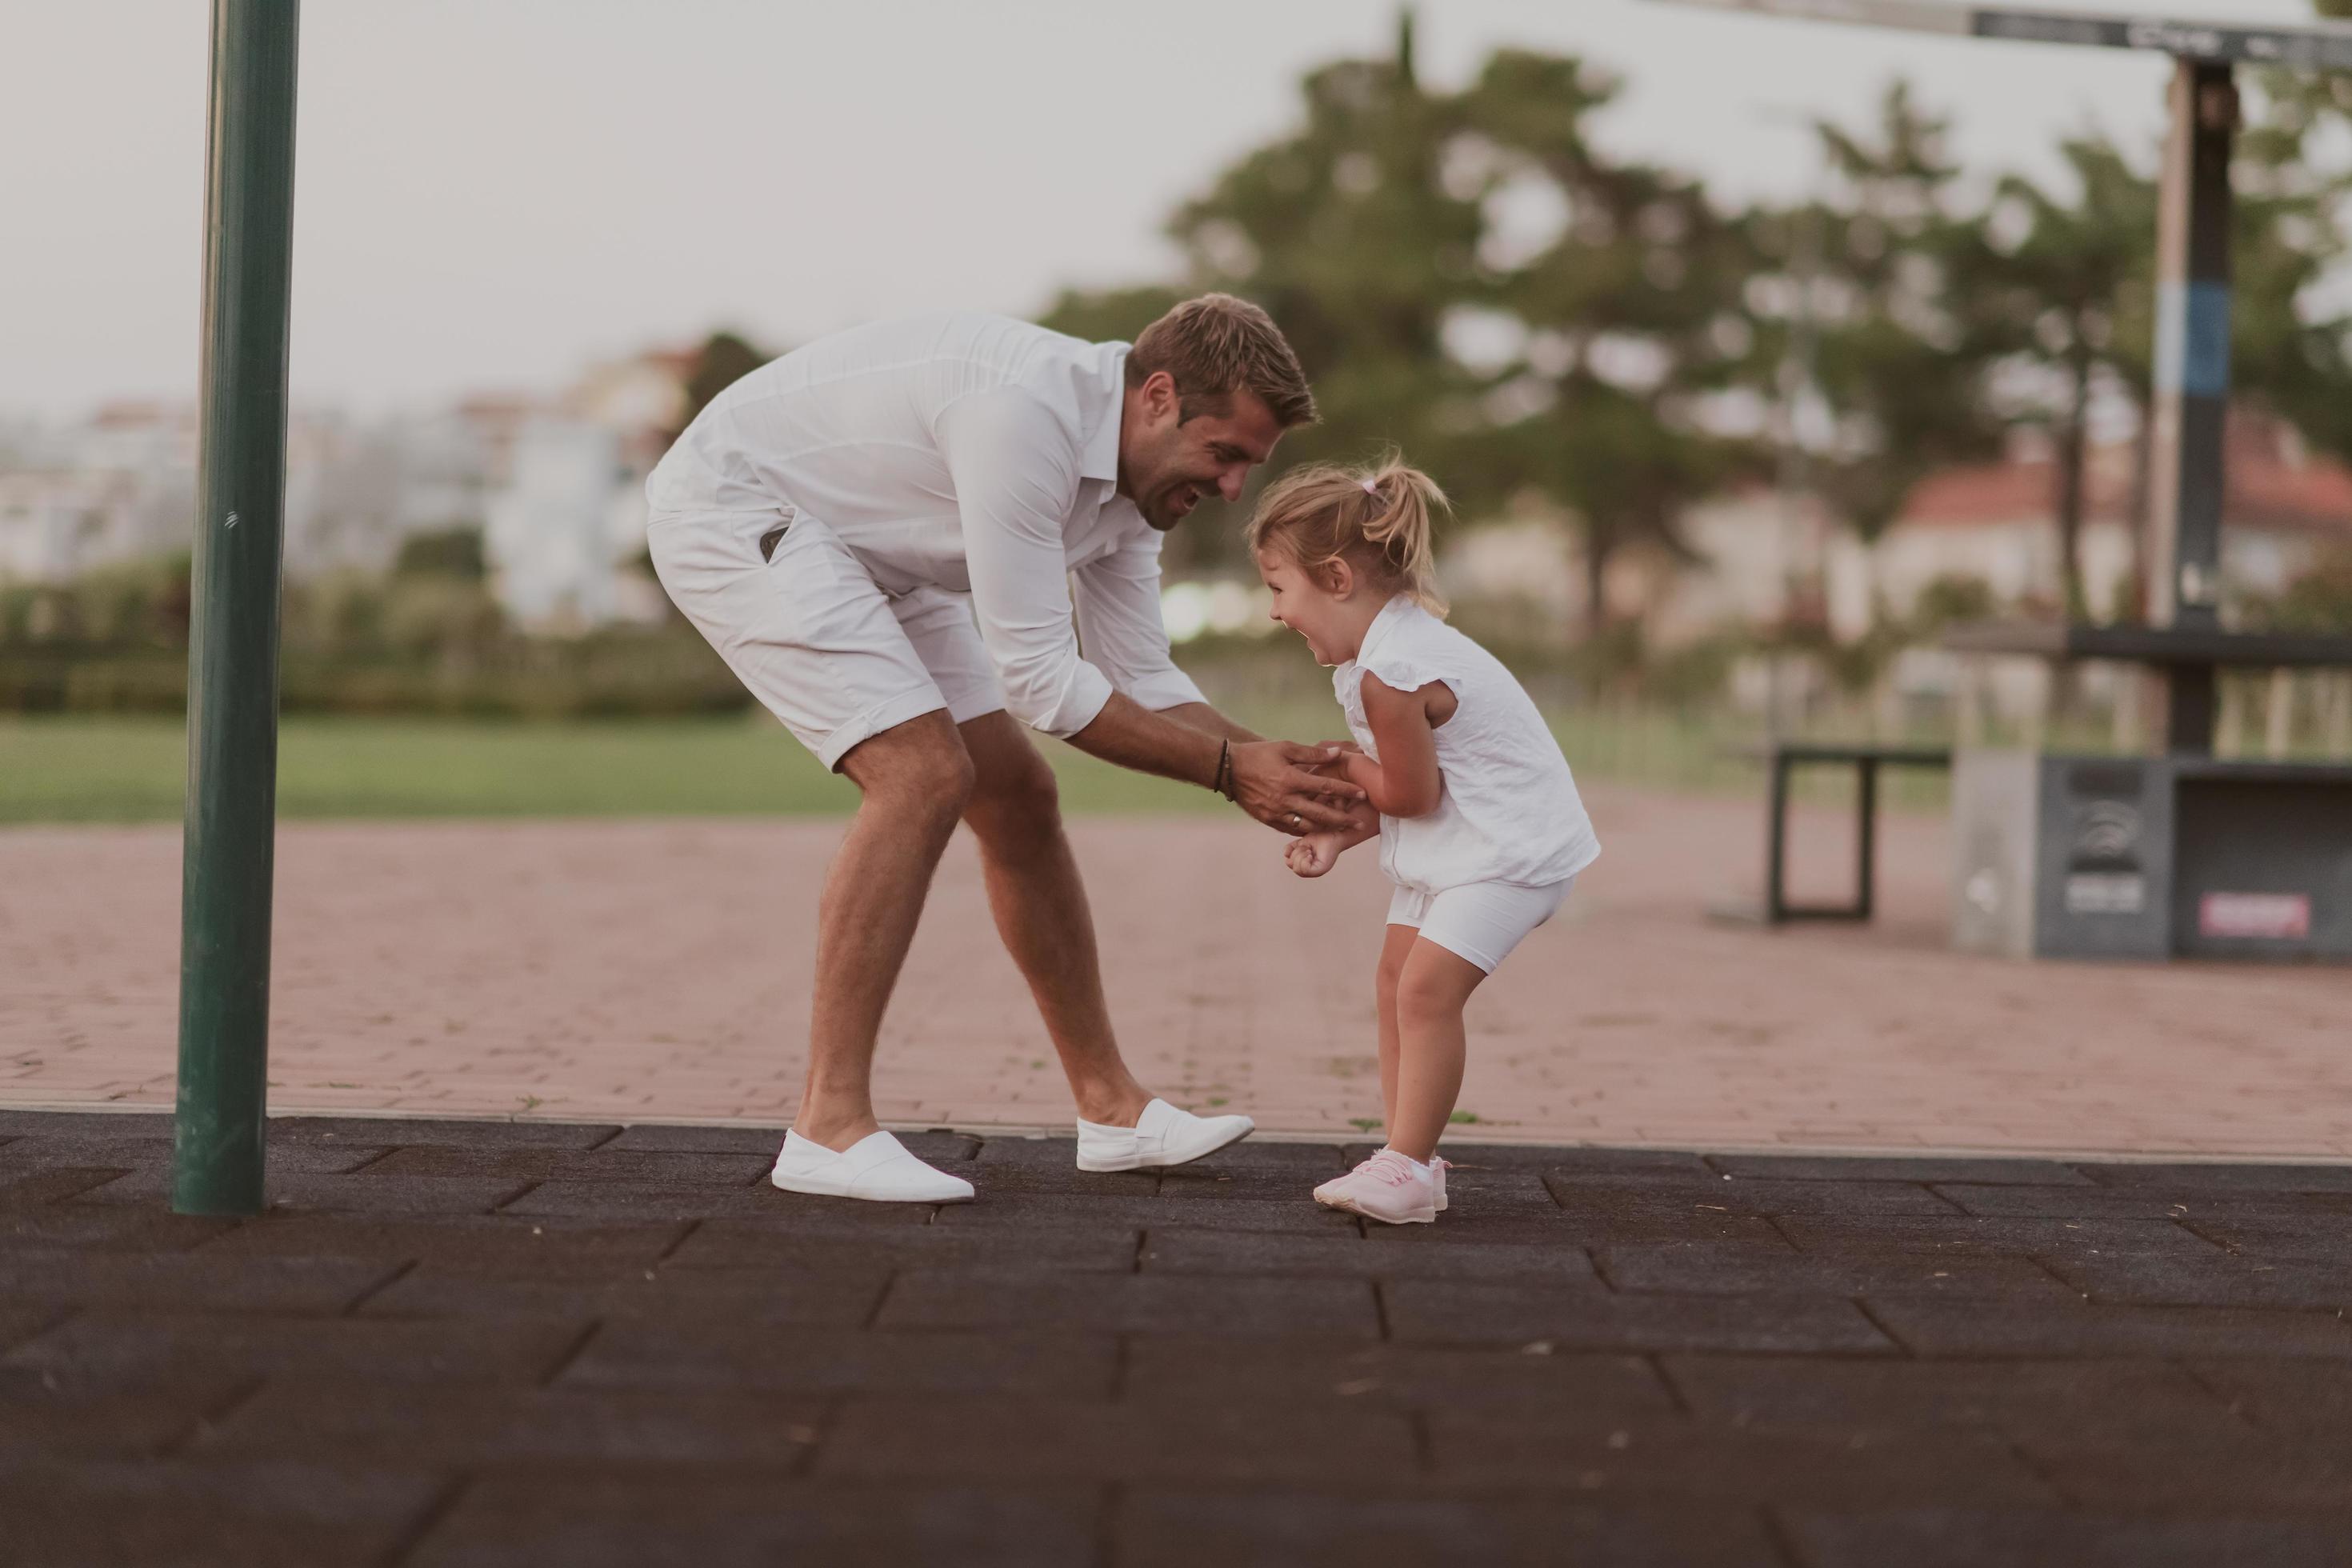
(1164, 512)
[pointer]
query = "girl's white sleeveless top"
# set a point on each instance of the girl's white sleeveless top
(1508, 810)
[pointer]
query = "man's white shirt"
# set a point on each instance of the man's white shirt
(970, 452)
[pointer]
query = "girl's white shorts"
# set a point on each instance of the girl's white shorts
(1481, 921)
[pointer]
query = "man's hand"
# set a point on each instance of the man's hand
(1273, 782)
(1314, 854)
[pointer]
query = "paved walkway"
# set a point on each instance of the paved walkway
(659, 970)
(477, 1344)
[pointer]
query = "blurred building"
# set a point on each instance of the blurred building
(565, 529)
(555, 483)
(56, 523)
(2283, 509)
(641, 399)
(566, 524)
(121, 486)
(116, 487)
(1758, 561)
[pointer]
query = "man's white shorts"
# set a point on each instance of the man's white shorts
(1481, 921)
(819, 644)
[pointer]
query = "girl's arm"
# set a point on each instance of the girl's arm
(1405, 780)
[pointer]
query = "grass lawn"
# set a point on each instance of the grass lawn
(92, 769)
(74, 768)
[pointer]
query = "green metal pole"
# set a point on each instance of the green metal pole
(233, 637)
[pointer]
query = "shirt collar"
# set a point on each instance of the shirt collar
(1099, 460)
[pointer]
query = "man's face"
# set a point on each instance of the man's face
(1168, 463)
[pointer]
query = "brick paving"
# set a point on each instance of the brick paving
(476, 1343)
(631, 969)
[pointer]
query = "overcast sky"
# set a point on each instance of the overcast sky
(489, 193)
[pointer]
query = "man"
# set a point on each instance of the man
(879, 533)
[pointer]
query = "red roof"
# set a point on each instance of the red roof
(2003, 492)
(2274, 484)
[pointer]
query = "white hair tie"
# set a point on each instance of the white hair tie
(1370, 488)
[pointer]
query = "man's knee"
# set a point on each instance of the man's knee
(945, 782)
(918, 771)
(1014, 799)
(1022, 799)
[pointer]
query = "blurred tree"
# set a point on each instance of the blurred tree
(1949, 599)
(1351, 236)
(126, 606)
(1111, 315)
(441, 619)
(1874, 271)
(1349, 233)
(443, 553)
(2318, 601)
(1623, 318)
(1468, 279)
(724, 358)
(2064, 286)
(2290, 342)
(2067, 287)
(336, 615)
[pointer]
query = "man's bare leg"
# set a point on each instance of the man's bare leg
(915, 778)
(1040, 903)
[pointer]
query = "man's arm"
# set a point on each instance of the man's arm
(1015, 475)
(1201, 716)
(1121, 626)
(1270, 779)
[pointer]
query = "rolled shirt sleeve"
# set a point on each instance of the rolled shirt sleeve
(1120, 625)
(1015, 471)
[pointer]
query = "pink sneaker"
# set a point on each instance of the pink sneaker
(1437, 1168)
(1385, 1187)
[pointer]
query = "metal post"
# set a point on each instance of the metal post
(1865, 836)
(2193, 383)
(1776, 840)
(233, 637)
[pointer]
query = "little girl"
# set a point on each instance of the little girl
(1478, 819)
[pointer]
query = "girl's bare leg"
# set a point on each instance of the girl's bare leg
(1399, 942)
(1432, 989)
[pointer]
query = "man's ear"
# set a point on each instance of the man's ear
(1160, 394)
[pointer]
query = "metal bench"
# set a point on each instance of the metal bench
(1781, 759)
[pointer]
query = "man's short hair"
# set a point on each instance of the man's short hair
(1215, 343)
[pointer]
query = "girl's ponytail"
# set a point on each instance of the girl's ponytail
(1382, 519)
(1402, 526)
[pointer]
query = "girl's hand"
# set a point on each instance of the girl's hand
(1313, 854)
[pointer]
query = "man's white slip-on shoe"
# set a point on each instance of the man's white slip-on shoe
(1163, 1135)
(877, 1167)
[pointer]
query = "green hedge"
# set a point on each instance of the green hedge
(607, 676)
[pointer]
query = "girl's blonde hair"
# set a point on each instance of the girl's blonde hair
(1379, 518)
